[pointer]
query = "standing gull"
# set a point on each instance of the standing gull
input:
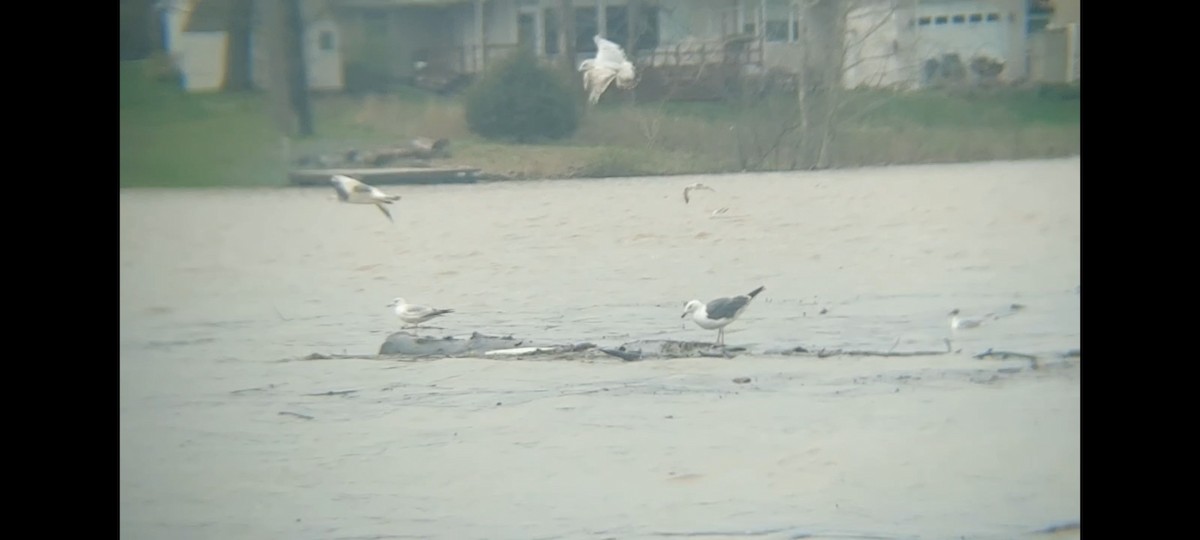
(415, 315)
(350, 190)
(718, 313)
(610, 64)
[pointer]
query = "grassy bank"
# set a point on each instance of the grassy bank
(170, 138)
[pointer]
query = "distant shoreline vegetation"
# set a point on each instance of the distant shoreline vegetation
(171, 138)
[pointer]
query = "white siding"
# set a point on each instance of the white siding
(876, 45)
(944, 34)
(324, 66)
(200, 56)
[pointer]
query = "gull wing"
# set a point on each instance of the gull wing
(726, 308)
(608, 52)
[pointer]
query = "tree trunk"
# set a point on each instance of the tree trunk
(237, 48)
(289, 84)
(158, 28)
(566, 33)
(633, 18)
(823, 24)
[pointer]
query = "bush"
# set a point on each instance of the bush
(520, 100)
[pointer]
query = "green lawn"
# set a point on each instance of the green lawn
(171, 138)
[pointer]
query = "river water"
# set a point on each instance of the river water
(222, 290)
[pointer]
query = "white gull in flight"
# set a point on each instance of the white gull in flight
(350, 190)
(693, 187)
(701, 187)
(610, 64)
(717, 314)
(415, 315)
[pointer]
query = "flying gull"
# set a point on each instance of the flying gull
(701, 187)
(693, 187)
(415, 315)
(610, 64)
(350, 190)
(718, 313)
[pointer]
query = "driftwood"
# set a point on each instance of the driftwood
(823, 353)
(297, 415)
(1004, 355)
(333, 393)
(417, 150)
(410, 346)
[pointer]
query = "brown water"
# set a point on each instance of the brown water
(219, 286)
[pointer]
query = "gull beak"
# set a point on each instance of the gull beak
(684, 315)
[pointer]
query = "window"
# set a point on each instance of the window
(616, 24)
(940, 20)
(525, 32)
(924, 21)
(777, 31)
(976, 17)
(586, 26)
(959, 19)
(993, 17)
(550, 17)
(647, 28)
(325, 40)
(778, 14)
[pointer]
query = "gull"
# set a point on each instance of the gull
(717, 314)
(610, 64)
(350, 190)
(415, 315)
(701, 187)
(695, 186)
(962, 323)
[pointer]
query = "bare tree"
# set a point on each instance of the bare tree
(239, 19)
(289, 81)
(823, 31)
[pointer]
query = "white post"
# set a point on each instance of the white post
(601, 20)
(539, 31)
(1071, 52)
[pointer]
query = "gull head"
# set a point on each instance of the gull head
(586, 64)
(691, 308)
(396, 302)
(953, 313)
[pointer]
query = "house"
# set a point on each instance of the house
(912, 44)
(196, 40)
(889, 42)
(374, 44)
(1054, 46)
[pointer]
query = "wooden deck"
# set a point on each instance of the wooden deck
(388, 175)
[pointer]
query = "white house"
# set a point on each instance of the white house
(197, 40)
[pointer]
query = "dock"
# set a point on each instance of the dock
(387, 175)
